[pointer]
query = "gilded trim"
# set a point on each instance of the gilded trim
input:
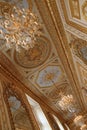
(20, 95)
(77, 26)
(72, 8)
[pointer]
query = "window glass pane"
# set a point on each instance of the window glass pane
(42, 121)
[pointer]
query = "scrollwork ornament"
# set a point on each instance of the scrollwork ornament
(79, 48)
(84, 10)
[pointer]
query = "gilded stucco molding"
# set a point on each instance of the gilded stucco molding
(10, 77)
(69, 28)
(75, 9)
(55, 28)
(4, 116)
(65, 47)
(8, 108)
(77, 26)
(20, 95)
(36, 56)
(58, 36)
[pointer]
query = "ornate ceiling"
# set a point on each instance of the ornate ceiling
(58, 62)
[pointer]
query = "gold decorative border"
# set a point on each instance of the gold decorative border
(60, 41)
(83, 10)
(72, 9)
(20, 95)
(14, 77)
(77, 26)
(56, 31)
(5, 121)
(47, 44)
(7, 104)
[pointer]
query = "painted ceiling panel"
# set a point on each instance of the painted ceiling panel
(46, 68)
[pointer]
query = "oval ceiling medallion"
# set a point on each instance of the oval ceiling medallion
(80, 49)
(35, 56)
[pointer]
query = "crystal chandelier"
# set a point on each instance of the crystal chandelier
(18, 27)
(66, 103)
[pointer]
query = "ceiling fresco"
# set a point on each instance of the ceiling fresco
(72, 16)
(75, 11)
(49, 76)
(74, 21)
(46, 67)
(78, 50)
(36, 56)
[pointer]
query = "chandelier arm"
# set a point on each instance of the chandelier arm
(20, 26)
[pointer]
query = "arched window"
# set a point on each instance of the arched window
(40, 117)
(18, 112)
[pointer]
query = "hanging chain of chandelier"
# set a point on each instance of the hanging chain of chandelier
(19, 28)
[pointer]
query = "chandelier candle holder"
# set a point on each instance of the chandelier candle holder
(66, 103)
(79, 120)
(83, 127)
(18, 27)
